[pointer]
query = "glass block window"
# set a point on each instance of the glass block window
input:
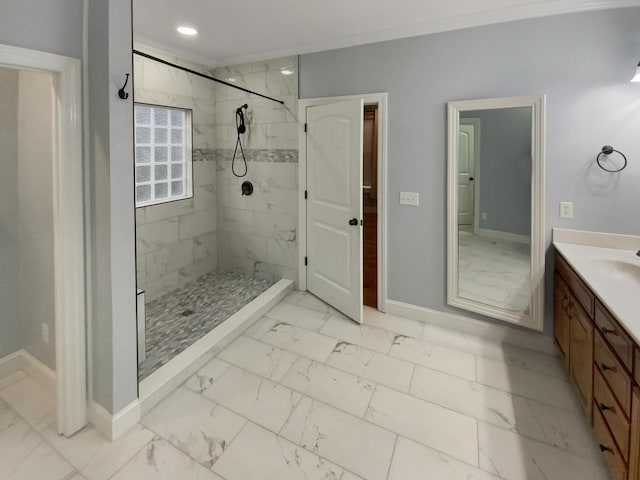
(163, 156)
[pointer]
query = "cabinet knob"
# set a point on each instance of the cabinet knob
(603, 407)
(607, 331)
(604, 448)
(604, 367)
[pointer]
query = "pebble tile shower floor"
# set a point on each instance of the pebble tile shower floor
(179, 318)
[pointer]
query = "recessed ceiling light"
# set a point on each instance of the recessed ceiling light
(286, 71)
(187, 30)
(231, 79)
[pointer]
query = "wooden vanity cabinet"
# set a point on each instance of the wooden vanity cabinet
(603, 362)
(561, 333)
(634, 448)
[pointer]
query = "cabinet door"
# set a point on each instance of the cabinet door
(634, 451)
(581, 358)
(560, 319)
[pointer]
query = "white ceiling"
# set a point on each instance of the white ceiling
(237, 31)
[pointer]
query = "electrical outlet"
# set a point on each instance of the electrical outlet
(409, 198)
(45, 333)
(484, 215)
(566, 209)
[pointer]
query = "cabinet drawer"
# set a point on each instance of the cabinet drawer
(577, 286)
(613, 372)
(614, 334)
(612, 413)
(611, 454)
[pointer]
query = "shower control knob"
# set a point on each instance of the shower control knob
(353, 222)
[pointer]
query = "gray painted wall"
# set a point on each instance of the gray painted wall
(10, 331)
(53, 26)
(112, 224)
(504, 170)
(582, 62)
(35, 215)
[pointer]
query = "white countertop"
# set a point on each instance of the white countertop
(612, 273)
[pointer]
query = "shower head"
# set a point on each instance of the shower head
(239, 109)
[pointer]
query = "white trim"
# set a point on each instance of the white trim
(381, 99)
(115, 426)
(534, 319)
(38, 371)
(168, 377)
(497, 333)
(509, 237)
(68, 222)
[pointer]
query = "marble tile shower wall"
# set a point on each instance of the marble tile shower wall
(177, 241)
(257, 234)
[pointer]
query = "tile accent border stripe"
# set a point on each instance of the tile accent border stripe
(499, 333)
(261, 155)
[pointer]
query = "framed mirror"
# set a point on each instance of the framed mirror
(495, 245)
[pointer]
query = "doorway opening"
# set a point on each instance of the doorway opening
(342, 198)
(370, 205)
(42, 295)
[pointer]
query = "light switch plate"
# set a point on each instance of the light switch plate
(566, 209)
(409, 198)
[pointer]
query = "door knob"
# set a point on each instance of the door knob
(353, 222)
(471, 179)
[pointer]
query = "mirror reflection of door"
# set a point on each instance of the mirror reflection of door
(466, 174)
(494, 256)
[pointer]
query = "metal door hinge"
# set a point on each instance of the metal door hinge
(305, 128)
(306, 194)
(306, 260)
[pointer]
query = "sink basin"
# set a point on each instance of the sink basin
(618, 269)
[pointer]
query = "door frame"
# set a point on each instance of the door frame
(381, 100)
(68, 230)
(476, 169)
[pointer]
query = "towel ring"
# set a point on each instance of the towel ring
(608, 150)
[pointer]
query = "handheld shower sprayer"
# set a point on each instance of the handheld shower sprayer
(241, 128)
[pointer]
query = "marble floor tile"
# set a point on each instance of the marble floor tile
(195, 425)
(364, 335)
(11, 378)
(394, 324)
(256, 398)
(258, 357)
(412, 461)
(437, 357)
(260, 327)
(203, 378)
(299, 340)
(42, 463)
(339, 389)
(429, 424)
(17, 441)
(96, 457)
(308, 318)
(350, 476)
(554, 426)
(310, 301)
(374, 366)
(33, 402)
(514, 457)
(78, 476)
(521, 381)
(352, 443)
(259, 454)
(159, 460)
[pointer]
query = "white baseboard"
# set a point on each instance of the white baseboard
(496, 333)
(510, 237)
(38, 371)
(168, 377)
(116, 425)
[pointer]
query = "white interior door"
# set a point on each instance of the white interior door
(334, 205)
(466, 172)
